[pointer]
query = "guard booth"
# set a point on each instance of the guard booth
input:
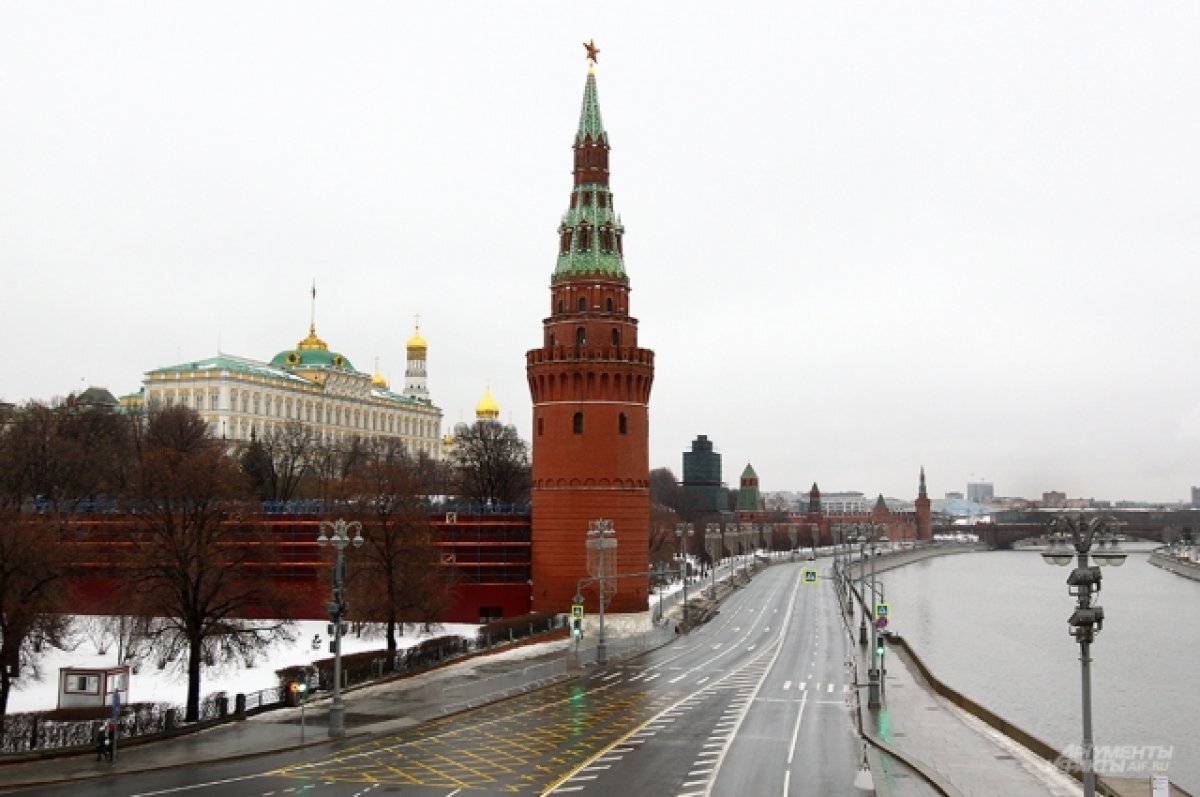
(91, 687)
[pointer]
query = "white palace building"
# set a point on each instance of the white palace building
(310, 384)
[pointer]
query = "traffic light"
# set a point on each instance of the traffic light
(298, 689)
(576, 627)
(879, 646)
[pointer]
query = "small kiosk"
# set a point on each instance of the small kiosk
(91, 687)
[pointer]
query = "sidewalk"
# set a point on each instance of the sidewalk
(963, 755)
(376, 708)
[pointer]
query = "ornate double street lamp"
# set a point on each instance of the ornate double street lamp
(339, 535)
(867, 533)
(601, 553)
(712, 541)
(683, 531)
(1071, 537)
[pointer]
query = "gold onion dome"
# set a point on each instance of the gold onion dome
(416, 341)
(377, 379)
(487, 409)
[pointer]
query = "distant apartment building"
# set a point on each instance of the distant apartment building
(1054, 500)
(1196, 497)
(980, 492)
(954, 495)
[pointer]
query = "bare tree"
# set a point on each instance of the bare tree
(198, 571)
(397, 575)
(490, 463)
(50, 459)
(32, 565)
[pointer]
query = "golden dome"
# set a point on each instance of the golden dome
(416, 341)
(487, 409)
(312, 342)
(377, 379)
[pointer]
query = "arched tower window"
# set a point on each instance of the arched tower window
(562, 306)
(608, 304)
(616, 338)
(541, 426)
(577, 423)
(582, 304)
(622, 424)
(580, 337)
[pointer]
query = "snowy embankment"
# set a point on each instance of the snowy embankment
(149, 684)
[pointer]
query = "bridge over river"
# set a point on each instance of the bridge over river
(1008, 527)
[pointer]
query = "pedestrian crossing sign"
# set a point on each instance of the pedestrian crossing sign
(810, 575)
(883, 610)
(577, 610)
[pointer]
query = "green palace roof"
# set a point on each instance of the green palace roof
(223, 362)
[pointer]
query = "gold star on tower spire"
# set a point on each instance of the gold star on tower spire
(592, 52)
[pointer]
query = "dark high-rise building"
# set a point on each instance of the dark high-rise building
(702, 476)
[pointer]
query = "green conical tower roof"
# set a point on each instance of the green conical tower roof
(590, 235)
(748, 499)
(590, 123)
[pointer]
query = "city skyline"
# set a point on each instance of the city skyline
(861, 240)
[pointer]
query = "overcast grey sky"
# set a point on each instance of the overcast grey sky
(861, 237)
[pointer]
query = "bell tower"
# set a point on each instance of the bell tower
(590, 385)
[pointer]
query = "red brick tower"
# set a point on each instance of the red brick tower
(590, 385)
(924, 511)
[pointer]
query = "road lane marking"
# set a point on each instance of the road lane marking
(200, 785)
(787, 685)
(796, 731)
(830, 689)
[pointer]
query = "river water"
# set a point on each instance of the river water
(994, 626)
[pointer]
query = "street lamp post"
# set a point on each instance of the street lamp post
(744, 533)
(683, 531)
(1073, 535)
(602, 547)
(877, 597)
(861, 539)
(660, 570)
(339, 536)
(712, 540)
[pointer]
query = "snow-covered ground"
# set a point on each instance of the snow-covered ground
(152, 685)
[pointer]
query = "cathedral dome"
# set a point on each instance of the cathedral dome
(487, 409)
(416, 342)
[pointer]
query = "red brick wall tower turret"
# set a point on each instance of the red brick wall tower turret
(924, 511)
(590, 384)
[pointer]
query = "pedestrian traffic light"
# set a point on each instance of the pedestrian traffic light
(576, 628)
(298, 689)
(879, 645)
